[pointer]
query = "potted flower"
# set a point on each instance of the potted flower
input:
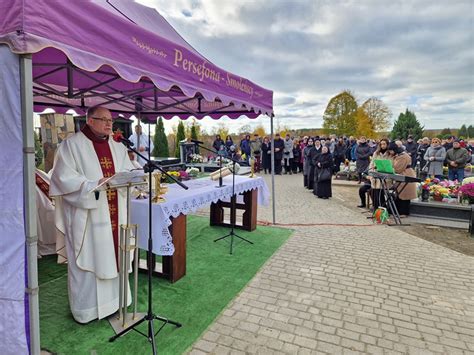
(425, 187)
(467, 192)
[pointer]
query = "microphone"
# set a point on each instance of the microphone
(128, 143)
(196, 141)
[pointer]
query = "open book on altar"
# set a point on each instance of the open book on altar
(122, 178)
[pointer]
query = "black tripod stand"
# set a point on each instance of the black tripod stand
(233, 199)
(150, 317)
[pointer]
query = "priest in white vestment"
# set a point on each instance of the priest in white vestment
(89, 221)
(142, 144)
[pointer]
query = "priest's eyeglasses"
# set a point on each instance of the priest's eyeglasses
(103, 119)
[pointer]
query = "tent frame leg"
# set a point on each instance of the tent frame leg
(29, 199)
(272, 164)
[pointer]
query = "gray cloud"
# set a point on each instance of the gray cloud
(309, 51)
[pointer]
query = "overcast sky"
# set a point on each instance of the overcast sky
(415, 54)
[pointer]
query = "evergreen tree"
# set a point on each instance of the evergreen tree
(194, 135)
(340, 115)
(38, 151)
(462, 133)
(405, 125)
(180, 135)
(470, 131)
(160, 142)
(445, 133)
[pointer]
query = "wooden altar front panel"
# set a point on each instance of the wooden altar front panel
(249, 217)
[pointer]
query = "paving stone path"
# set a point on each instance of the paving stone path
(347, 289)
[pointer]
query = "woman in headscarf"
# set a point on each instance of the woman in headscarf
(314, 154)
(323, 174)
(302, 145)
(435, 156)
(307, 162)
(402, 166)
(378, 198)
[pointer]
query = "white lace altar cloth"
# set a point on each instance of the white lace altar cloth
(201, 192)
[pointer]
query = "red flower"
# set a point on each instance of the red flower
(117, 135)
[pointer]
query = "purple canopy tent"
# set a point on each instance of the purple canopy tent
(81, 60)
(76, 54)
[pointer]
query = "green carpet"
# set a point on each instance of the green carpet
(213, 279)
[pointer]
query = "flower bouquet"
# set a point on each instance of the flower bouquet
(117, 135)
(183, 175)
(424, 188)
(196, 158)
(348, 171)
(218, 159)
(174, 174)
(192, 172)
(467, 192)
(439, 190)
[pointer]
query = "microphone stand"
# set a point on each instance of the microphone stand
(220, 161)
(233, 199)
(150, 317)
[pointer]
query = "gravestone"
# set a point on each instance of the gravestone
(55, 128)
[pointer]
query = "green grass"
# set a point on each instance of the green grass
(213, 279)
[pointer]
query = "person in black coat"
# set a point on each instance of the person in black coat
(218, 142)
(363, 153)
(314, 154)
(296, 163)
(322, 188)
(266, 155)
(279, 146)
(339, 154)
(411, 148)
(307, 164)
(420, 157)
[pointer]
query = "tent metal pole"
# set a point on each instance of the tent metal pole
(272, 164)
(29, 199)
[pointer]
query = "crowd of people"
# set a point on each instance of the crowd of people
(318, 158)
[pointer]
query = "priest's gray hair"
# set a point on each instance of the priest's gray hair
(91, 111)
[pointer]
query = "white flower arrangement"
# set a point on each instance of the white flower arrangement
(231, 166)
(196, 158)
(192, 171)
(224, 160)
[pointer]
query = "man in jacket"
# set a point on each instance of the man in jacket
(411, 148)
(457, 158)
(245, 147)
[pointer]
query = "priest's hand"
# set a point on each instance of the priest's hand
(102, 180)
